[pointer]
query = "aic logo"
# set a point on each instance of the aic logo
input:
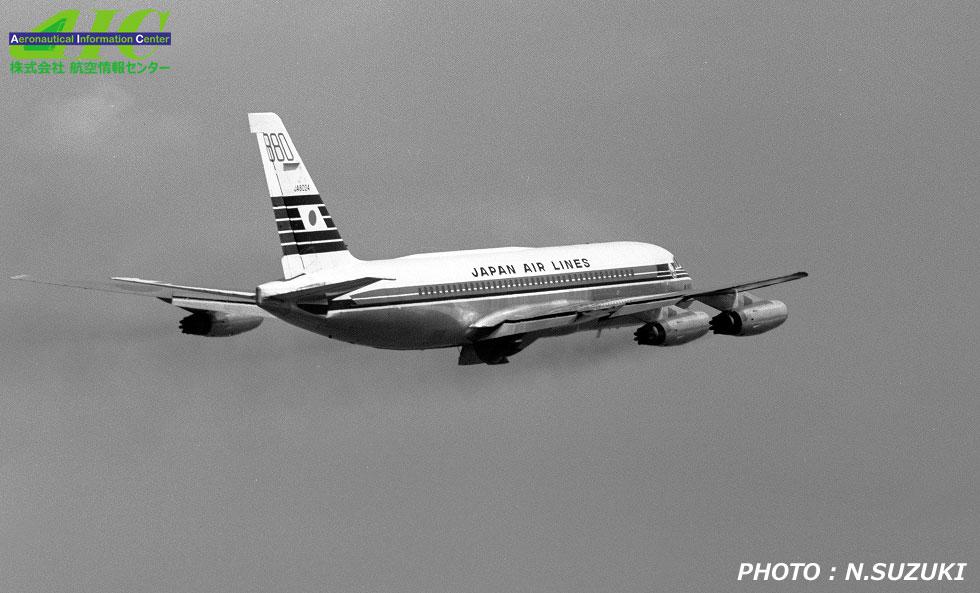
(65, 21)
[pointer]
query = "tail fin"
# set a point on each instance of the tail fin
(310, 240)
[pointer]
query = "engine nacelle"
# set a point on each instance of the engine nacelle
(672, 331)
(217, 324)
(752, 319)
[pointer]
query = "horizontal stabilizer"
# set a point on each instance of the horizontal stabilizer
(320, 292)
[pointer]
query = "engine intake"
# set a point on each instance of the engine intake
(750, 320)
(672, 331)
(217, 324)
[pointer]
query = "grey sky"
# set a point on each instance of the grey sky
(837, 138)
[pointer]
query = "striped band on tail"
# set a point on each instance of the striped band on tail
(305, 226)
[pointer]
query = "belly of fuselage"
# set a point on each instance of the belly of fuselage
(445, 323)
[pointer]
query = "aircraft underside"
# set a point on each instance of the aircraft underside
(447, 324)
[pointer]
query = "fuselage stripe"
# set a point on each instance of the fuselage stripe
(355, 302)
(336, 306)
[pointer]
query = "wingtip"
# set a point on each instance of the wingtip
(21, 277)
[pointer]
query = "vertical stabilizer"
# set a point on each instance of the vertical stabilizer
(309, 238)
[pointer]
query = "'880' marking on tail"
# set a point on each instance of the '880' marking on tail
(277, 147)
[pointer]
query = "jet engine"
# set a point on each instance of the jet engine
(678, 328)
(749, 320)
(217, 324)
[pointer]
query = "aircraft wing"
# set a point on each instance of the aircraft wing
(153, 288)
(541, 317)
(186, 297)
(551, 316)
(206, 299)
(725, 298)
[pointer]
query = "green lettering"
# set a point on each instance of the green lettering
(131, 24)
(103, 18)
(61, 21)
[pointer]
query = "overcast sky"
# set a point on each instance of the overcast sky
(836, 138)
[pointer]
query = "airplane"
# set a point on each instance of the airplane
(489, 303)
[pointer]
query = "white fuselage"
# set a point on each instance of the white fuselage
(433, 300)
